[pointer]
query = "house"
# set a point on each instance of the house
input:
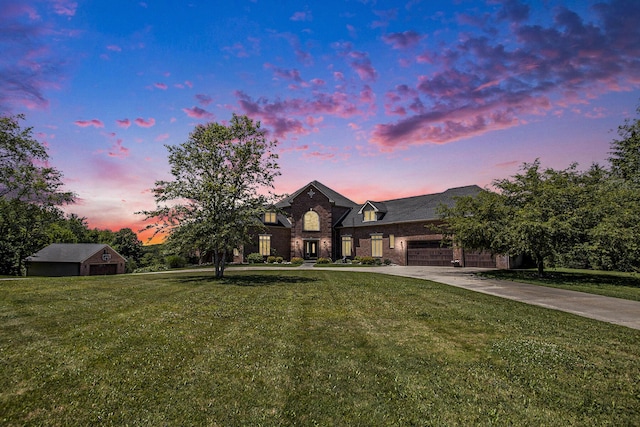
(316, 221)
(75, 259)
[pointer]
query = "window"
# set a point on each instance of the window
(265, 244)
(311, 221)
(370, 215)
(376, 245)
(392, 241)
(346, 245)
(270, 218)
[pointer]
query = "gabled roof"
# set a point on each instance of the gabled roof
(334, 197)
(68, 252)
(417, 208)
(377, 206)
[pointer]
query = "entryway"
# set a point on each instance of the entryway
(311, 249)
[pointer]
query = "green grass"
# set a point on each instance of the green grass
(299, 347)
(608, 283)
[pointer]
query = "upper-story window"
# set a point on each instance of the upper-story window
(311, 221)
(270, 218)
(369, 215)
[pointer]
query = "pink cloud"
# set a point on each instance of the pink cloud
(289, 116)
(188, 84)
(480, 85)
(124, 123)
(404, 40)
(65, 7)
(118, 150)
(114, 48)
(161, 86)
(86, 123)
(358, 61)
(145, 123)
(204, 99)
(162, 137)
(301, 16)
(198, 113)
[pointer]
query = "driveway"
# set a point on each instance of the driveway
(607, 309)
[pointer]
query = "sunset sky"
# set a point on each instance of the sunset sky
(375, 99)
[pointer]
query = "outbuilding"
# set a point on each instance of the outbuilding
(75, 259)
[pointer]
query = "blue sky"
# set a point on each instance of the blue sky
(375, 99)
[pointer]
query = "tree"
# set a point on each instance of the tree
(29, 195)
(24, 174)
(625, 152)
(223, 181)
(534, 213)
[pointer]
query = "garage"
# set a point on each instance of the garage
(75, 259)
(428, 253)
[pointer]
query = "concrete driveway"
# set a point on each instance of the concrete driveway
(607, 309)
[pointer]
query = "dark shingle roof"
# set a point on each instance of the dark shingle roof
(334, 197)
(67, 252)
(417, 208)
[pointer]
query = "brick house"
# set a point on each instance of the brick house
(316, 221)
(75, 259)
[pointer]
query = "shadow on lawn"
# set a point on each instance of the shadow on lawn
(247, 280)
(568, 278)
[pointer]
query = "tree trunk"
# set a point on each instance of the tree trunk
(223, 262)
(540, 265)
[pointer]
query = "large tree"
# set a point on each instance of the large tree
(30, 193)
(538, 212)
(223, 178)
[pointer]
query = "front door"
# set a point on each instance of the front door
(310, 249)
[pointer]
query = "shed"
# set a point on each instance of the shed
(75, 259)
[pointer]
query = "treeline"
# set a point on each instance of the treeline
(561, 218)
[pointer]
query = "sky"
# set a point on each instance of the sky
(375, 99)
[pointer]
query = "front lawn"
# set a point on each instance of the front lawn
(608, 283)
(300, 347)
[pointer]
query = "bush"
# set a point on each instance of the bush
(151, 268)
(367, 260)
(323, 261)
(387, 261)
(297, 260)
(271, 259)
(279, 259)
(175, 261)
(255, 258)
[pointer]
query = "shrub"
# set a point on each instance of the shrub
(297, 260)
(387, 261)
(367, 260)
(255, 258)
(279, 259)
(175, 261)
(271, 259)
(323, 261)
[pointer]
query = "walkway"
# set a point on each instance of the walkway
(607, 309)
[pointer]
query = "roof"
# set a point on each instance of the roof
(334, 197)
(68, 252)
(416, 208)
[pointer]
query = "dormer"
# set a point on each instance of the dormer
(270, 217)
(372, 211)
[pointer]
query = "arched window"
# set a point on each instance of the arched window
(311, 221)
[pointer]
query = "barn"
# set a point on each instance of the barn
(75, 259)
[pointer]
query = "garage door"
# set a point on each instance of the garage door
(428, 253)
(479, 259)
(103, 269)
